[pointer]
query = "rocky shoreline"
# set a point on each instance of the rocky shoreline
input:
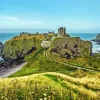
(9, 67)
(8, 64)
(6, 72)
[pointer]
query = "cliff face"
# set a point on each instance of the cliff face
(18, 47)
(1, 48)
(71, 47)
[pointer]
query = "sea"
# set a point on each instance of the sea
(84, 36)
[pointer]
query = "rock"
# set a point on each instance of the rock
(97, 39)
(71, 47)
(46, 44)
(1, 48)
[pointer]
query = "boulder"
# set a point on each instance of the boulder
(46, 44)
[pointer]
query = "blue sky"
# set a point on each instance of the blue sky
(75, 15)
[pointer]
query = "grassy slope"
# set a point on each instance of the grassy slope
(38, 63)
(53, 86)
(86, 86)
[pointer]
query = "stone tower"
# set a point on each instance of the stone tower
(62, 31)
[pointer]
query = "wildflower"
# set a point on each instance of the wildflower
(2, 97)
(45, 98)
(45, 94)
(49, 97)
(32, 92)
(54, 93)
(41, 99)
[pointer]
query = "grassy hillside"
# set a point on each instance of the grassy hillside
(49, 86)
(38, 63)
(44, 79)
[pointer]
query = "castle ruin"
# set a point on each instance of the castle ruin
(62, 31)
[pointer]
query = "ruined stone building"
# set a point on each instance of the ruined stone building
(46, 35)
(62, 31)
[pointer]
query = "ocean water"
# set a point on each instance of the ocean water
(7, 36)
(85, 36)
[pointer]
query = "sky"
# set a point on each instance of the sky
(76, 15)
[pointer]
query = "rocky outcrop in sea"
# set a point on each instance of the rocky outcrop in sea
(96, 44)
(97, 39)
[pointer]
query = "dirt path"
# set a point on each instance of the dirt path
(7, 72)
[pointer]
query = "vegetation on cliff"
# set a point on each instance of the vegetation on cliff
(19, 46)
(71, 47)
(74, 51)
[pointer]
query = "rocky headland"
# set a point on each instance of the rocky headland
(97, 39)
(17, 48)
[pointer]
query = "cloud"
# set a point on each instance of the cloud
(9, 18)
(15, 22)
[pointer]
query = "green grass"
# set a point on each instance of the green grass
(46, 81)
(89, 62)
(38, 63)
(48, 86)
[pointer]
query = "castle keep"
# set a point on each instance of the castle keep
(62, 31)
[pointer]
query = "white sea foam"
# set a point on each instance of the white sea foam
(96, 48)
(1, 59)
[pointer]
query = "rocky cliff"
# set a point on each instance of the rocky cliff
(71, 47)
(1, 48)
(19, 46)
